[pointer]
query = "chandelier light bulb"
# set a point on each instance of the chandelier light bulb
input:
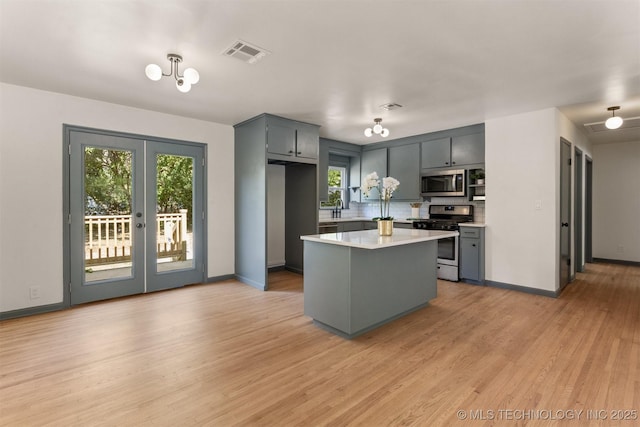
(183, 85)
(153, 72)
(368, 132)
(613, 122)
(191, 75)
(377, 128)
(385, 132)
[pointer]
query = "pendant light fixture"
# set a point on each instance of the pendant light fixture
(377, 129)
(613, 122)
(183, 82)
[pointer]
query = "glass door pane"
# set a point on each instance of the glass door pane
(108, 236)
(174, 212)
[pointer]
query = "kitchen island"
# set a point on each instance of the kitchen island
(357, 281)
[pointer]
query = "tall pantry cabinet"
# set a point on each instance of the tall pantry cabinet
(262, 140)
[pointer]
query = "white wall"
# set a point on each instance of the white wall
(31, 184)
(616, 206)
(275, 215)
(521, 158)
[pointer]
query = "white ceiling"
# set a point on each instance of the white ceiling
(449, 63)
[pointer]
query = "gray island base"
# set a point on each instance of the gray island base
(355, 282)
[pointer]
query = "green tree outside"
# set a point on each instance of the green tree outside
(109, 183)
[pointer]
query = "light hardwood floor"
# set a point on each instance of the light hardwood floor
(226, 354)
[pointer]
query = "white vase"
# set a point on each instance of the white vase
(415, 212)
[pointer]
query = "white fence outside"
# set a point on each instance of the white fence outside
(108, 237)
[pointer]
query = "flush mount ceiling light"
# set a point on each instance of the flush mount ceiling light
(183, 83)
(377, 129)
(613, 122)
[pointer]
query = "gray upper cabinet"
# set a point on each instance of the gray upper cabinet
(452, 152)
(307, 143)
(281, 140)
(373, 161)
(289, 140)
(404, 165)
(467, 149)
(436, 153)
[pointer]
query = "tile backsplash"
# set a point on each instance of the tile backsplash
(402, 210)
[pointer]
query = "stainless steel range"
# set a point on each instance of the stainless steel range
(447, 217)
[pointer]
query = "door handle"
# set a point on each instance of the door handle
(565, 224)
(139, 225)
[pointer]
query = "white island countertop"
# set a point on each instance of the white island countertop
(369, 239)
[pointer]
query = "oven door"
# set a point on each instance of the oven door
(448, 251)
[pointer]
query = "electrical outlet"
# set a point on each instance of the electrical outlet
(538, 205)
(34, 292)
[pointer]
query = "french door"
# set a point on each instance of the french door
(136, 214)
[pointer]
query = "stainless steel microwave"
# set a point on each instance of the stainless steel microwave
(443, 183)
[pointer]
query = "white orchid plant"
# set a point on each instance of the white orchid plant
(385, 188)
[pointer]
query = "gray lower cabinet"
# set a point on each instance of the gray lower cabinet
(349, 226)
(472, 254)
(404, 165)
(369, 225)
(402, 225)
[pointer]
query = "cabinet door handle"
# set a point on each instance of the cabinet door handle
(299, 152)
(474, 245)
(453, 163)
(290, 151)
(446, 163)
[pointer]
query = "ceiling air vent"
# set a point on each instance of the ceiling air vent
(628, 123)
(390, 106)
(245, 52)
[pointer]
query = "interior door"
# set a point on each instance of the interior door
(136, 219)
(565, 213)
(578, 236)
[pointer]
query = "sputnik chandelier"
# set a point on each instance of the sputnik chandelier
(183, 82)
(377, 129)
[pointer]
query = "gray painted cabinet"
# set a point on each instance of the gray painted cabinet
(349, 226)
(467, 149)
(373, 161)
(291, 139)
(258, 141)
(404, 165)
(436, 153)
(472, 254)
(453, 152)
